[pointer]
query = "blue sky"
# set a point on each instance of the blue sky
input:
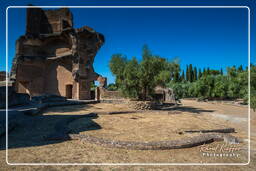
(214, 38)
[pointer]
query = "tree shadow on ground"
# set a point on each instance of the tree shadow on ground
(34, 130)
(186, 109)
(68, 108)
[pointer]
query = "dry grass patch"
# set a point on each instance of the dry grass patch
(148, 126)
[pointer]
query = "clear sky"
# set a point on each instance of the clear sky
(214, 38)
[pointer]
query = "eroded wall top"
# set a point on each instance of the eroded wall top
(48, 21)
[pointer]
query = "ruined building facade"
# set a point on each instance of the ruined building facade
(55, 58)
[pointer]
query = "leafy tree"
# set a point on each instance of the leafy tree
(177, 76)
(242, 81)
(163, 78)
(192, 90)
(208, 81)
(240, 68)
(112, 87)
(151, 68)
(220, 87)
(138, 79)
(253, 87)
(117, 65)
(130, 84)
(232, 73)
(214, 72)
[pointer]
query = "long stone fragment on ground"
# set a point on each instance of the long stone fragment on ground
(157, 145)
(225, 130)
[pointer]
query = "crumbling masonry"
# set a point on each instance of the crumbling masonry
(54, 58)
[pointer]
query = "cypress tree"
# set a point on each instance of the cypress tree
(195, 74)
(190, 73)
(204, 72)
(176, 76)
(240, 69)
(221, 71)
(199, 73)
(208, 71)
(182, 76)
(187, 74)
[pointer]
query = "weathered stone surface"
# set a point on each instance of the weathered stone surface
(164, 95)
(142, 105)
(110, 95)
(55, 58)
(158, 145)
(225, 130)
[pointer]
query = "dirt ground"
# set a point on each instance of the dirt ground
(27, 144)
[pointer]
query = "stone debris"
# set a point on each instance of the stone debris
(225, 130)
(142, 105)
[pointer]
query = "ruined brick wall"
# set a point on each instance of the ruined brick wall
(107, 95)
(48, 21)
(58, 74)
(59, 19)
(54, 58)
(31, 78)
(47, 78)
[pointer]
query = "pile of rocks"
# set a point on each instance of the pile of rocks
(142, 105)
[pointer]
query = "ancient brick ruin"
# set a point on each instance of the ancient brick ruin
(55, 58)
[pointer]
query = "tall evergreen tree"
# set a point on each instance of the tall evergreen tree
(195, 74)
(190, 73)
(221, 71)
(240, 68)
(146, 53)
(182, 76)
(187, 74)
(208, 71)
(199, 73)
(176, 76)
(204, 72)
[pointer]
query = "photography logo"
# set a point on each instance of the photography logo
(221, 150)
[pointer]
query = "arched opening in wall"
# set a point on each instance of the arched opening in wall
(69, 88)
